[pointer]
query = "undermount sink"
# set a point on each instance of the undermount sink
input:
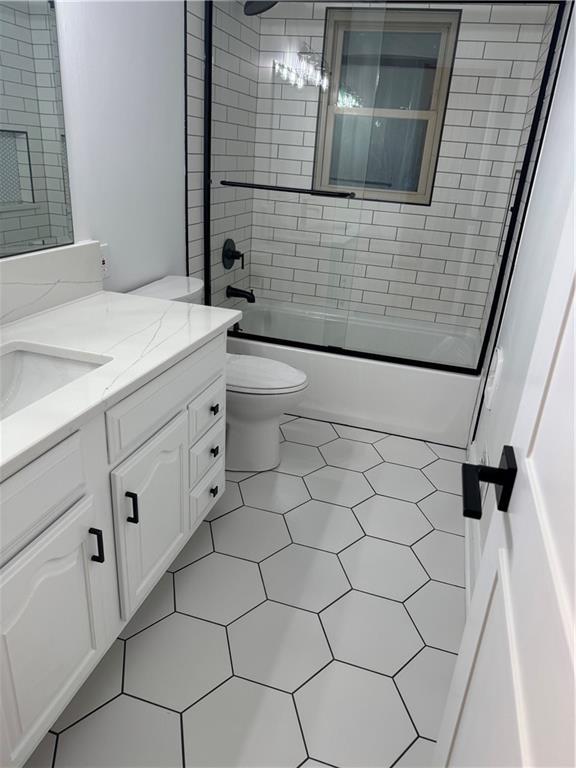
(29, 372)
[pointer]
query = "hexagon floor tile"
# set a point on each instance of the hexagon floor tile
(125, 732)
(383, 568)
(351, 717)
(391, 519)
(199, 545)
(338, 486)
(231, 500)
(444, 510)
(371, 632)
(399, 482)
(177, 661)
(419, 755)
(446, 475)
(158, 604)
(442, 554)
(403, 450)
(304, 578)
(274, 492)
(424, 684)
(218, 588)
(236, 638)
(308, 432)
(103, 685)
(322, 525)
(243, 724)
(439, 612)
(350, 454)
(299, 459)
(278, 645)
(250, 533)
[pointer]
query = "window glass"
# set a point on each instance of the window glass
(377, 152)
(389, 70)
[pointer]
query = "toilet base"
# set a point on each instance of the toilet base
(252, 446)
(253, 429)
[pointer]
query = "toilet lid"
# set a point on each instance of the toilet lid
(259, 375)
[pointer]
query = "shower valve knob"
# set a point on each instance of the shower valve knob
(230, 254)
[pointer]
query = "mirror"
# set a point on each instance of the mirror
(35, 210)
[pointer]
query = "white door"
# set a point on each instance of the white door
(512, 697)
(51, 625)
(151, 517)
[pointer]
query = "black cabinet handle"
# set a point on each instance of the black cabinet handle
(215, 409)
(215, 451)
(214, 491)
(99, 558)
(135, 518)
(503, 477)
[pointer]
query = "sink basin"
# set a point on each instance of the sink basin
(29, 372)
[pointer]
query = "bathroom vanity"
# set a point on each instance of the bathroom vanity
(113, 438)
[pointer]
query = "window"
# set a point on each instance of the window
(380, 119)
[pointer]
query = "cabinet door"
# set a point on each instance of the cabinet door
(151, 515)
(50, 628)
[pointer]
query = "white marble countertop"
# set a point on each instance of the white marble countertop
(141, 336)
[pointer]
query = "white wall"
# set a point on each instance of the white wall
(123, 83)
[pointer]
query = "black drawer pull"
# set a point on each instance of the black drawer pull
(215, 451)
(135, 518)
(99, 558)
(502, 477)
(214, 491)
(215, 409)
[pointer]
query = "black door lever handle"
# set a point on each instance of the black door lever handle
(502, 476)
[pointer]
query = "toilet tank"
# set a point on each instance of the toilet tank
(174, 288)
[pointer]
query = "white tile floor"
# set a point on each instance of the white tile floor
(312, 620)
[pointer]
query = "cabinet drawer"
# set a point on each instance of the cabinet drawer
(206, 452)
(36, 495)
(141, 414)
(206, 409)
(207, 492)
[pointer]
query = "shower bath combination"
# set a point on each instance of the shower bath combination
(378, 216)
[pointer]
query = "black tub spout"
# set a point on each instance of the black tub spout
(238, 293)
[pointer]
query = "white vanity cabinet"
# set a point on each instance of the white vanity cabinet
(53, 628)
(91, 525)
(151, 515)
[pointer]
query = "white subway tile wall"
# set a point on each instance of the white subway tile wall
(31, 102)
(434, 263)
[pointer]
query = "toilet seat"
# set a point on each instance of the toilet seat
(251, 375)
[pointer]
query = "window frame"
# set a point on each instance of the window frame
(337, 22)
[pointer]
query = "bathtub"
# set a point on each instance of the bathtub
(391, 397)
(361, 332)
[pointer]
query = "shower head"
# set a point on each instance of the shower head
(255, 7)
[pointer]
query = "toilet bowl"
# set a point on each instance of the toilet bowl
(258, 392)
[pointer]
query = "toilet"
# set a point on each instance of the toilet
(258, 390)
(174, 288)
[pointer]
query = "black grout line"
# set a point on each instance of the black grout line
(152, 703)
(92, 711)
(300, 726)
(123, 668)
(216, 687)
(148, 626)
(53, 761)
(405, 751)
(182, 740)
(405, 707)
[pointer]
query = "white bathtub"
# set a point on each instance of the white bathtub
(401, 399)
(358, 332)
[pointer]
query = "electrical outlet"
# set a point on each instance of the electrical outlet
(104, 258)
